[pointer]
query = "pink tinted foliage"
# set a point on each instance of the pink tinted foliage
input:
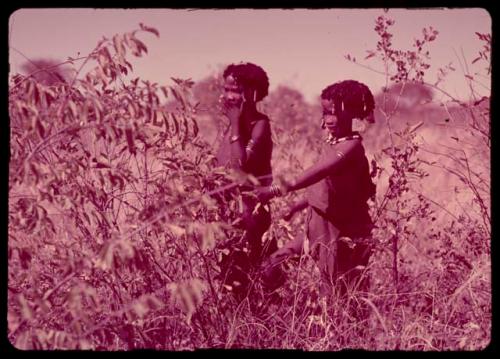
(118, 216)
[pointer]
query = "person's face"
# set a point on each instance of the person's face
(233, 92)
(330, 120)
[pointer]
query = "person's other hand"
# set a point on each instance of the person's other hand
(264, 194)
(288, 215)
(232, 109)
(276, 258)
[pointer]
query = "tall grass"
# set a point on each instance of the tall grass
(118, 218)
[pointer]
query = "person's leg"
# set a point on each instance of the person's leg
(235, 273)
(351, 263)
(237, 266)
(326, 260)
(323, 240)
(293, 247)
(272, 275)
(344, 254)
(256, 225)
(360, 257)
(353, 279)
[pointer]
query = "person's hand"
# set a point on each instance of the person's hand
(276, 258)
(264, 194)
(232, 109)
(288, 215)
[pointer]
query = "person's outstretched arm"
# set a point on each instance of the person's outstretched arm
(297, 206)
(323, 168)
(313, 174)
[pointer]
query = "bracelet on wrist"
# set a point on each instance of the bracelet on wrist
(276, 191)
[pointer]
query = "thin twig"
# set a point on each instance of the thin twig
(50, 292)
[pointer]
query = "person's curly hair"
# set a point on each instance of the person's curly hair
(249, 76)
(354, 97)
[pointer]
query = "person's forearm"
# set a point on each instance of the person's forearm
(290, 248)
(238, 154)
(308, 178)
(300, 205)
(325, 167)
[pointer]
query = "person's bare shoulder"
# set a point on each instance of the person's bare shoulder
(343, 149)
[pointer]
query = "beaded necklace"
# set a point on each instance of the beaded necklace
(331, 140)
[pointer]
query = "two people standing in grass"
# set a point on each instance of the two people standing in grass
(338, 186)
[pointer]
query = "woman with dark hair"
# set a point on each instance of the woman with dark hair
(247, 146)
(338, 187)
(247, 143)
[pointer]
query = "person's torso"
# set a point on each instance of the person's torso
(343, 194)
(260, 165)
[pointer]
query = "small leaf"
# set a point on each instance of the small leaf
(26, 311)
(39, 128)
(176, 230)
(195, 127)
(140, 46)
(208, 237)
(176, 123)
(130, 140)
(370, 54)
(72, 108)
(150, 29)
(140, 309)
(105, 260)
(101, 165)
(476, 59)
